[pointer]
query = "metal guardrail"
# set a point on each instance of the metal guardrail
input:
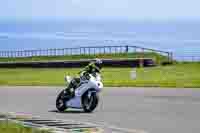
(83, 51)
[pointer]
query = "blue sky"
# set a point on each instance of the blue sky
(99, 9)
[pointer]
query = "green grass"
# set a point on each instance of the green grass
(9, 127)
(158, 58)
(177, 75)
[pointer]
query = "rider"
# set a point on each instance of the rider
(92, 67)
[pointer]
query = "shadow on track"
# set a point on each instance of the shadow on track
(69, 112)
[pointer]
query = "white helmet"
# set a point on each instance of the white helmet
(98, 63)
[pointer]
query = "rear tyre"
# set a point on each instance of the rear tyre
(60, 102)
(89, 104)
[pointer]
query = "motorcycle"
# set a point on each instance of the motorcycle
(86, 95)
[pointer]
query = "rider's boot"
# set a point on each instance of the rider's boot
(68, 92)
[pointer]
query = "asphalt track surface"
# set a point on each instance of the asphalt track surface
(147, 110)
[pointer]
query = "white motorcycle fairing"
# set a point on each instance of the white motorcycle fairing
(93, 83)
(74, 103)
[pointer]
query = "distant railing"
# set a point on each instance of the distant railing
(83, 51)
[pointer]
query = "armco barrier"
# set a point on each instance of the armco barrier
(80, 63)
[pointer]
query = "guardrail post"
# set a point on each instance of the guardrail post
(57, 52)
(84, 51)
(79, 51)
(142, 58)
(171, 56)
(15, 54)
(89, 51)
(63, 52)
(8, 54)
(115, 49)
(36, 52)
(70, 51)
(24, 53)
(49, 52)
(168, 56)
(127, 48)
(135, 49)
(21, 54)
(100, 50)
(32, 53)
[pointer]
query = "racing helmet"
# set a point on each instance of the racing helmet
(98, 63)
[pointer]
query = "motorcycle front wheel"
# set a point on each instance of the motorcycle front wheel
(90, 103)
(60, 102)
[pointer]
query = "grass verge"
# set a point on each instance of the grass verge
(177, 75)
(10, 127)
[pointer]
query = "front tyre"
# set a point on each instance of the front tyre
(90, 103)
(60, 102)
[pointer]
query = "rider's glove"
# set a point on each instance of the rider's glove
(85, 76)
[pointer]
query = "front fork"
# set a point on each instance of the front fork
(90, 94)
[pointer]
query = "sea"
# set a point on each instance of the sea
(180, 37)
